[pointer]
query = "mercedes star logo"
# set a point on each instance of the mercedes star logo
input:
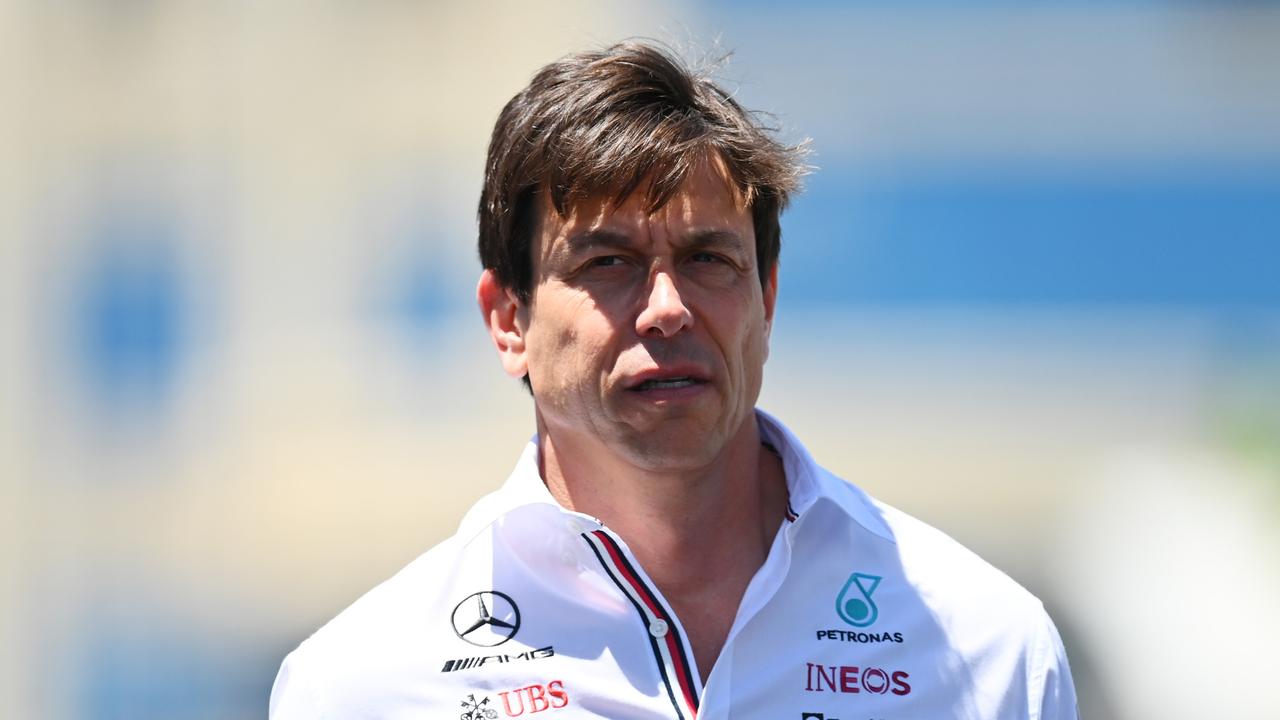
(491, 609)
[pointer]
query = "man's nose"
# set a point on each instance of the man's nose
(664, 313)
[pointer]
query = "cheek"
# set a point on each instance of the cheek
(570, 341)
(746, 333)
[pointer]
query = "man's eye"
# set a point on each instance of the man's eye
(606, 261)
(706, 257)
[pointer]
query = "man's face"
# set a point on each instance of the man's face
(647, 334)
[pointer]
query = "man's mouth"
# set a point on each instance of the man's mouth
(667, 383)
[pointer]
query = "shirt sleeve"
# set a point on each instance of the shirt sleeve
(1057, 691)
(292, 697)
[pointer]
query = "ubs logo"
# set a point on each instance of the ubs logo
(487, 609)
(534, 698)
(528, 699)
(473, 709)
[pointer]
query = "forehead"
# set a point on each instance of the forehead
(708, 199)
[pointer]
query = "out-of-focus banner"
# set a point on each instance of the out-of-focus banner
(1031, 295)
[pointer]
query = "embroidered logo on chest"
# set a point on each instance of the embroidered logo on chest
(534, 698)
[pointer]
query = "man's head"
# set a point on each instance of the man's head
(629, 233)
(629, 118)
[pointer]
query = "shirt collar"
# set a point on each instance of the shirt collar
(808, 484)
(523, 488)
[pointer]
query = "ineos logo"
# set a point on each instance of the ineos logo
(487, 609)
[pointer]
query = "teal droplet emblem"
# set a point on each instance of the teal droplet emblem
(859, 610)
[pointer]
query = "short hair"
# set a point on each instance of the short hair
(606, 121)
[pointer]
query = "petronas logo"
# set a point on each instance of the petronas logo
(854, 603)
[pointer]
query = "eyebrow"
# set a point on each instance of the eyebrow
(596, 238)
(715, 238)
(697, 238)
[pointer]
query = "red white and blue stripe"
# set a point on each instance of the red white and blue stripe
(671, 651)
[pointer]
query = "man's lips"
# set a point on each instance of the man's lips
(667, 384)
(667, 379)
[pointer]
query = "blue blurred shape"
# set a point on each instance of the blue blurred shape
(130, 315)
(168, 669)
(421, 295)
(1190, 237)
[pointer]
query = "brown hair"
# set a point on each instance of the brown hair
(607, 121)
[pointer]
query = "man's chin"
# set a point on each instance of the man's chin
(675, 444)
(669, 423)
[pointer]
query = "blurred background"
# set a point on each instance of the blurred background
(1031, 295)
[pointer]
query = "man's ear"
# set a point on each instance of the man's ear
(504, 316)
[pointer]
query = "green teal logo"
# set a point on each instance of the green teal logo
(858, 609)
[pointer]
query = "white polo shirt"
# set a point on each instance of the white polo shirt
(859, 611)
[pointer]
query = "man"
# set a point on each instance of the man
(663, 549)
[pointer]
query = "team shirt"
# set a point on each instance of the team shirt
(859, 611)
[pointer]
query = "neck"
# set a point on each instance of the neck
(700, 533)
(660, 511)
